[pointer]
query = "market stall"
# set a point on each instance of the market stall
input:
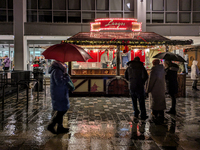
(123, 39)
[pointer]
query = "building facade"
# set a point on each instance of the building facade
(27, 27)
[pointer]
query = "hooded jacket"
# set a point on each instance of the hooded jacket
(7, 62)
(171, 78)
(137, 75)
(60, 84)
(156, 87)
(194, 70)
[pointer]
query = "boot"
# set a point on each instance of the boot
(171, 111)
(61, 129)
(50, 127)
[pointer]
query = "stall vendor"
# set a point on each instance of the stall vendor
(104, 59)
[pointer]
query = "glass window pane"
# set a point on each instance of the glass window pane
(45, 16)
(102, 15)
(44, 4)
(157, 17)
(2, 3)
(74, 17)
(129, 15)
(31, 4)
(10, 4)
(185, 5)
(158, 4)
(74, 5)
(171, 5)
(31, 16)
(3, 15)
(88, 17)
(10, 16)
(59, 16)
(59, 4)
(116, 5)
(196, 5)
(88, 4)
(128, 5)
(149, 6)
(116, 15)
(148, 17)
(184, 18)
(102, 4)
(196, 17)
(171, 18)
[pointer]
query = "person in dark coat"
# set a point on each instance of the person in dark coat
(137, 75)
(60, 85)
(171, 83)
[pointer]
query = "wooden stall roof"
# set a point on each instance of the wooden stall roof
(122, 38)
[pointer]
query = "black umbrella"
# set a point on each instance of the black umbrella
(169, 56)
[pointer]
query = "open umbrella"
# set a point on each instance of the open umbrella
(169, 56)
(66, 52)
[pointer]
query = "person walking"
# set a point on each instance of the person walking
(137, 75)
(60, 85)
(194, 74)
(104, 59)
(156, 89)
(171, 83)
(6, 63)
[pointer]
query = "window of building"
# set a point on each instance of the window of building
(148, 5)
(31, 16)
(10, 15)
(102, 15)
(3, 16)
(157, 17)
(116, 5)
(74, 17)
(158, 5)
(31, 4)
(102, 4)
(88, 4)
(74, 5)
(2, 3)
(45, 16)
(116, 15)
(196, 5)
(59, 4)
(148, 17)
(59, 16)
(196, 17)
(88, 17)
(171, 5)
(185, 5)
(128, 5)
(44, 4)
(171, 18)
(184, 17)
(129, 15)
(10, 4)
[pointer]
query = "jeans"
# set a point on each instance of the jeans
(137, 96)
(173, 97)
(194, 84)
(186, 68)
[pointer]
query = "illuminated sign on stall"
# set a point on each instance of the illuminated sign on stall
(116, 24)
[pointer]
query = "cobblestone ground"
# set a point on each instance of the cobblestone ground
(98, 123)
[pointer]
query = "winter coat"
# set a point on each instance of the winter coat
(156, 88)
(60, 84)
(194, 70)
(7, 62)
(137, 75)
(104, 58)
(171, 78)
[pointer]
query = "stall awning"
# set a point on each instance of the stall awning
(123, 38)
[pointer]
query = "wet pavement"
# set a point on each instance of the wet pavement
(98, 123)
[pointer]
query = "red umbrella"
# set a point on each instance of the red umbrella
(66, 52)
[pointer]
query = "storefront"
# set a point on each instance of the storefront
(123, 38)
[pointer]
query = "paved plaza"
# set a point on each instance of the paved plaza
(98, 123)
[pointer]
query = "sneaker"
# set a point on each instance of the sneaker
(51, 129)
(61, 129)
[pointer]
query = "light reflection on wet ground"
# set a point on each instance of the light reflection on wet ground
(99, 123)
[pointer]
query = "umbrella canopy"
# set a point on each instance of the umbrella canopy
(169, 56)
(66, 52)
